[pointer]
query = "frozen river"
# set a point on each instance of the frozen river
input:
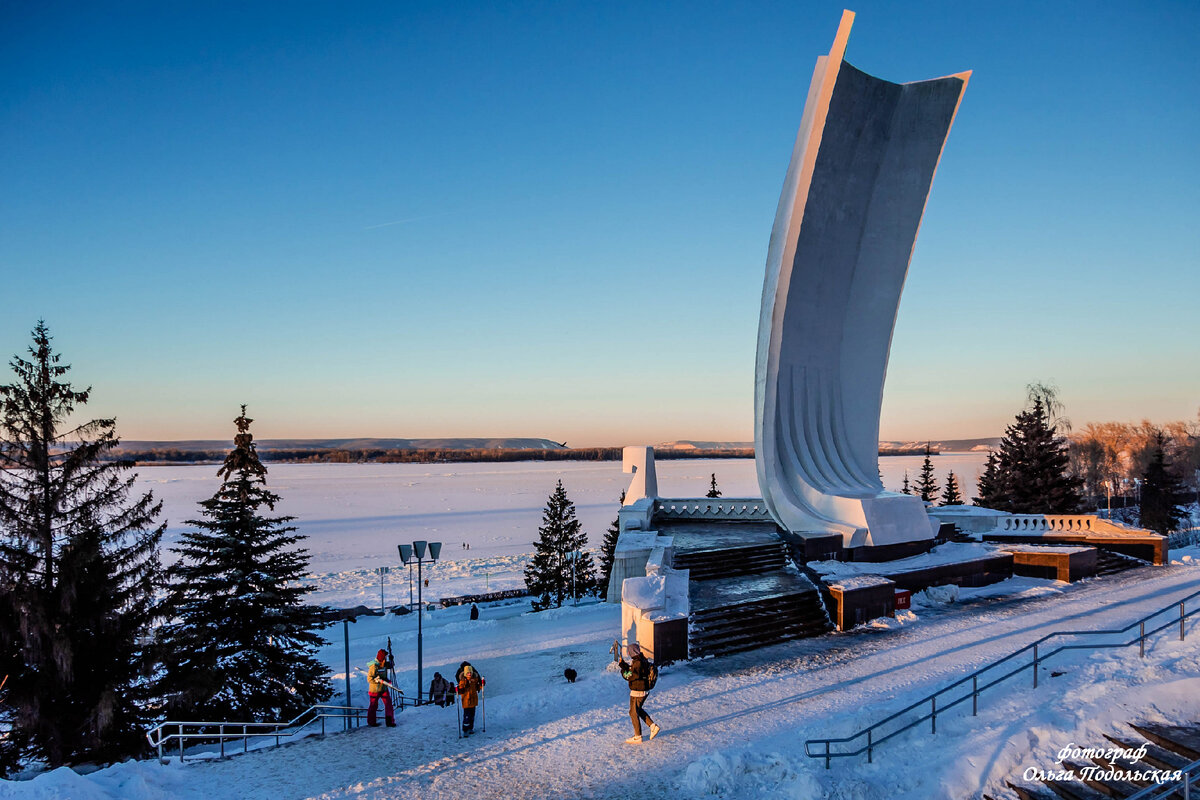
(354, 515)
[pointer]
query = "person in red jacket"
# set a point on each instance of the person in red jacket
(376, 688)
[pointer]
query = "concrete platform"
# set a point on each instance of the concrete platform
(705, 535)
(722, 592)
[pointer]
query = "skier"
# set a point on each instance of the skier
(441, 691)
(474, 611)
(637, 672)
(470, 684)
(376, 686)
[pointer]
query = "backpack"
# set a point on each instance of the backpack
(651, 675)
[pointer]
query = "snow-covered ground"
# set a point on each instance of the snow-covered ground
(733, 727)
(354, 515)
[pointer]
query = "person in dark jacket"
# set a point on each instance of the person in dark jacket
(637, 672)
(441, 691)
(474, 611)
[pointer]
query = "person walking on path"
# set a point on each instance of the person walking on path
(376, 687)
(470, 684)
(637, 672)
(474, 611)
(441, 691)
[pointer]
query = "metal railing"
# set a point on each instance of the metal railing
(220, 732)
(1161, 791)
(970, 687)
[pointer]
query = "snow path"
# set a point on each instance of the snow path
(546, 738)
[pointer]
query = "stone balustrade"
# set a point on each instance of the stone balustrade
(714, 508)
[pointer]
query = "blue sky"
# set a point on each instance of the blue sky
(402, 219)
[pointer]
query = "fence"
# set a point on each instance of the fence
(218, 733)
(970, 687)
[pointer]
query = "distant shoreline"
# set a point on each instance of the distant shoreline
(172, 457)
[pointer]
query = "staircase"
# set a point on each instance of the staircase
(1168, 747)
(751, 560)
(743, 591)
(796, 614)
(1110, 563)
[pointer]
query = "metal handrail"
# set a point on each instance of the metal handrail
(931, 701)
(1161, 791)
(162, 733)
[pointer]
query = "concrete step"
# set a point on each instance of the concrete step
(1108, 787)
(1074, 790)
(1183, 740)
(756, 623)
(1031, 792)
(1156, 756)
(756, 607)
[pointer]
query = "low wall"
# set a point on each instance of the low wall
(859, 599)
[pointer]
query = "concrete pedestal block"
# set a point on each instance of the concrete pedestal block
(859, 599)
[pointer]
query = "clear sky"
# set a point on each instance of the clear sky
(551, 219)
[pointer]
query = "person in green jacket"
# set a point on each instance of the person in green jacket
(376, 675)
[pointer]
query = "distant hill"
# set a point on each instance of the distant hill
(315, 451)
(941, 445)
(350, 444)
(692, 444)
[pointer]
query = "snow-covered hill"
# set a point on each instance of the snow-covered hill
(733, 727)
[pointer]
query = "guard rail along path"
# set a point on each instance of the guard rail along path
(161, 735)
(968, 689)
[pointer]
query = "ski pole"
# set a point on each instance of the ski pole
(483, 709)
(458, 714)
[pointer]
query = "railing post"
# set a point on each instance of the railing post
(181, 743)
(868, 745)
(322, 726)
(826, 754)
(933, 706)
(221, 733)
(1035, 666)
(160, 755)
(1181, 618)
(245, 739)
(1142, 638)
(974, 695)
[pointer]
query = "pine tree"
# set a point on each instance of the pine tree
(1163, 494)
(927, 486)
(243, 643)
(1032, 474)
(951, 496)
(989, 487)
(713, 491)
(907, 487)
(548, 575)
(78, 569)
(608, 550)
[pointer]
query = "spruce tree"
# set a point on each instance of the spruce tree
(713, 491)
(79, 570)
(608, 550)
(907, 487)
(548, 574)
(988, 483)
(951, 496)
(242, 644)
(927, 486)
(1032, 470)
(1163, 494)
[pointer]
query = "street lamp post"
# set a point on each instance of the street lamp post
(382, 571)
(416, 552)
(574, 557)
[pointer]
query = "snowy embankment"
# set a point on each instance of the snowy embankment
(733, 727)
